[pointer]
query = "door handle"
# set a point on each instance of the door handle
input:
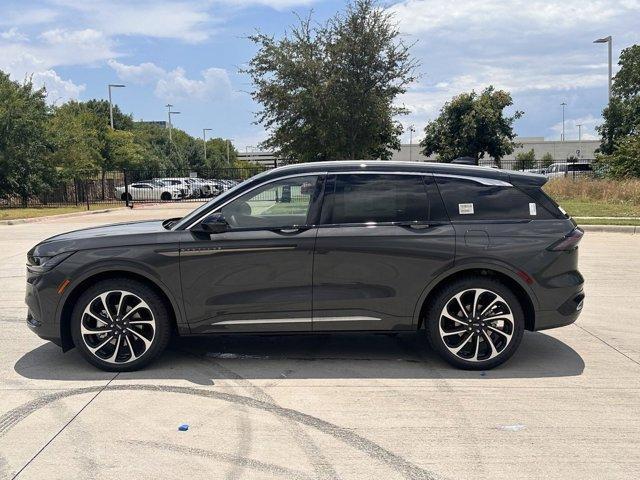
(415, 225)
(292, 229)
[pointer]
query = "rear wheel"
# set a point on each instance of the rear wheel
(475, 323)
(166, 196)
(125, 196)
(120, 325)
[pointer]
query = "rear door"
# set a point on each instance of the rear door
(382, 238)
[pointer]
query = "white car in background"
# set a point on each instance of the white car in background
(201, 187)
(180, 182)
(569, 169)
(150, 190)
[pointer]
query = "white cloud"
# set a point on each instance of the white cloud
(572, 131)
(14, 35)
(58, 89)
(493, 17)
(174, 84)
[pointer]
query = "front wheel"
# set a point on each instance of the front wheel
(166, 196)
(120, 325)
(475, 323)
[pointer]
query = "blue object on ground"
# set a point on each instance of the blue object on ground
(184, 427)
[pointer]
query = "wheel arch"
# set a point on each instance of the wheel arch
(68, 302)
(525, 296)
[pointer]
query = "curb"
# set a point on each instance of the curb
(628, 229)
(19, 221)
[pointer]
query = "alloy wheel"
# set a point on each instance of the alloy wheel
(476, 325)
(117, 326)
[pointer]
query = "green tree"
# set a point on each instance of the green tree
(24, 148)
(624, 162)
(327, 91)
(217, 154)
(622, 115)
(472, 125)
(547, 160)
(121, 121)
(525, 160)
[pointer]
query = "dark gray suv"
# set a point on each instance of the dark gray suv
(471, 255)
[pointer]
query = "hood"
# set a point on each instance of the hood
(119, 234)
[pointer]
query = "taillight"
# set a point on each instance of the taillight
(569, 242)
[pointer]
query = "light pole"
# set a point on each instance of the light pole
(204, 141)
(579, 125)
(169, 113)
(112, 85)
(411, 130)
(228, 141)
(609, 41)
(563, 105)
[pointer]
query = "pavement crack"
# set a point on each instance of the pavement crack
(607, 344)
(65, 426)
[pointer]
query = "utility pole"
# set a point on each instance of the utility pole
(112, 85)
(169, 113)
(228, 140)
(204, 141)
(609, 41)
(563, 105)
(411, 130)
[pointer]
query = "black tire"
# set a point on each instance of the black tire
(166, 196)
(126, 196)
(159, 312)
(446, 295)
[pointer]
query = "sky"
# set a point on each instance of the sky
(189, 52)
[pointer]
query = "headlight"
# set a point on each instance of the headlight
(44, 264)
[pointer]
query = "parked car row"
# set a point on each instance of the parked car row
(173, 188)
(564, 169)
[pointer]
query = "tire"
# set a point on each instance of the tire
(128, 339)
(166, 196)
(126, 196)
(475, 342)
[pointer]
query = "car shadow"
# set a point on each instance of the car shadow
(204, 360)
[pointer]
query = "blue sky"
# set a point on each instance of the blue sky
(188, 53)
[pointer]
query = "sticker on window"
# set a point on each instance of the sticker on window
(465, 208)
(532, 209)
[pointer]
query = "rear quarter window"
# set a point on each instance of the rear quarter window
(469, 200)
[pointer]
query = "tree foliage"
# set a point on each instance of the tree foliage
(622, 115)
(327, 91)
(525, 160)
(24, 146)
(472, 125)
(547, 160)
(624, 162)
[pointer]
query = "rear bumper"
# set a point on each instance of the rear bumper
(564, 315)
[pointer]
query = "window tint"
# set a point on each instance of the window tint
(367, 198)
(470, 200)
(282, 203)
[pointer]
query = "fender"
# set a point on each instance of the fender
(474, 264)
(129, 266)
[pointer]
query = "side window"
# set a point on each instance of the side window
(282, 203)
(375, 198)
(470, 200)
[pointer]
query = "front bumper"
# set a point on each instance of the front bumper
(42, 300)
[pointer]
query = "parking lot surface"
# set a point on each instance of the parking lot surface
(350, 406)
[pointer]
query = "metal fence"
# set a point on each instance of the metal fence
(127, 187)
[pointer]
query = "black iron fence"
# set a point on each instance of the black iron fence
(127, 187)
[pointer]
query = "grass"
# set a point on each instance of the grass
(32, 212)
(598, 198)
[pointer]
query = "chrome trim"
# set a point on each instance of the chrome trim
(298, 320)
(481, 180)
(294, 175)
(194, 252)
(347, 319)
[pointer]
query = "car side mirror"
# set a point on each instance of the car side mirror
(214, 223)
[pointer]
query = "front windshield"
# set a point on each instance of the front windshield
(186, 220)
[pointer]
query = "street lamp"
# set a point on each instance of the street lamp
(609, 41)
(170, 112)
(563, 105)
(228, 141)
(579, 125)
(112, 85)
(204, 141)
(411, 130)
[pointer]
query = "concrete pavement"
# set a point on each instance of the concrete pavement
(344, 406)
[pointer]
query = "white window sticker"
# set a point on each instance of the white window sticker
(465, 208)
(532, 209)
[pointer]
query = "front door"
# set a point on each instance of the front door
(382, 239)
(257, 275)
